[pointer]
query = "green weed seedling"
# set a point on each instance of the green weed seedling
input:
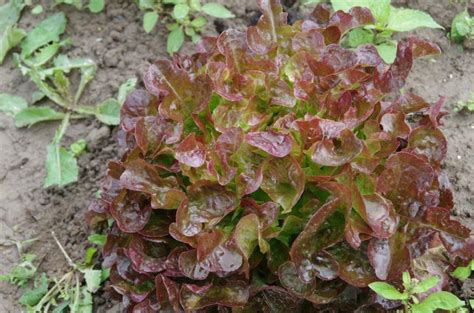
(95, 6)
(70, 293)
(410, 299)
(10, 34)
(389, 20)
(462, 27)
(463, 272)
(465, 105)
(182, 18)
(50, 71)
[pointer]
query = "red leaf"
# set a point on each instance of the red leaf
(276, 144)
(191, 151)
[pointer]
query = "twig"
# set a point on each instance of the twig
(69, 260)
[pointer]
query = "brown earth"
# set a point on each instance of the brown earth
(115, 40)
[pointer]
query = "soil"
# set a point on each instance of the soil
(115, 40)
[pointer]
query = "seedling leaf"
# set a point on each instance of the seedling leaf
(180, 11)
(125, 89)
(217, 10)
(463, 272)
(96, 6)
(10, 37)
(149, 21)
(31, 297)
(45, 32)
(93, 279)
(387, 291)
(442, 300)
(405, 20)
(108, 112)
(426, 284)
(98, 239)
(78, 147)
(32, 115)
(175, 40)
(61, 165)
(461, 26)
(12, 105)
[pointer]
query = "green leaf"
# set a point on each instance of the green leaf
(125, 89)
(78, 147)
(76, 3)
(217, 10)
(406, 280)
(463, 272)
(308, 2)
(387, 291)
(43, 55)
(61, 166)
(461, 26)
(199, 22)
(195, 5)
(387, 51)
(180, 11)
(426, 284)
(98, 239)
(195, 38)
(84, 304)
(96, 6)
(105, 274)
(420, 308)
(175, 40)
(38, 9)
(359, 36)
(405, 20)
(146, 4)
(149, 21)
(45, 32)
(32, 115)
(11, 105)
(21, 273)
(380, 8)
(93, 279)
(31, 297)
(10, 37)
(108, 112)
(89, 255)
(10, 13)
(36, 96)
(442, 300)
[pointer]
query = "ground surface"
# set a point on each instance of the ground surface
(115, 40)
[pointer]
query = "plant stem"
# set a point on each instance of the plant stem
(69, 260)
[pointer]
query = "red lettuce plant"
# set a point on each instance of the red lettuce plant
(273, 169)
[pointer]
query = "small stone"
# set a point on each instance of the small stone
(96, 136)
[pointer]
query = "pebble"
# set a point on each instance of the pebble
(96, 135)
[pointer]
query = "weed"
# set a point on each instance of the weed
(410, 296)
(182, 17)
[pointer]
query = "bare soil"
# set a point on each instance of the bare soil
(115, 40)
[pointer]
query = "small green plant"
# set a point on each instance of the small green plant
(10, 34)
(95, 6)
(462, 27)
(463, 272)
(410, 296)
(51, 72)
(21, 273)
(182, 18)
(70, 293)
(388, 20)
(465, 105)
